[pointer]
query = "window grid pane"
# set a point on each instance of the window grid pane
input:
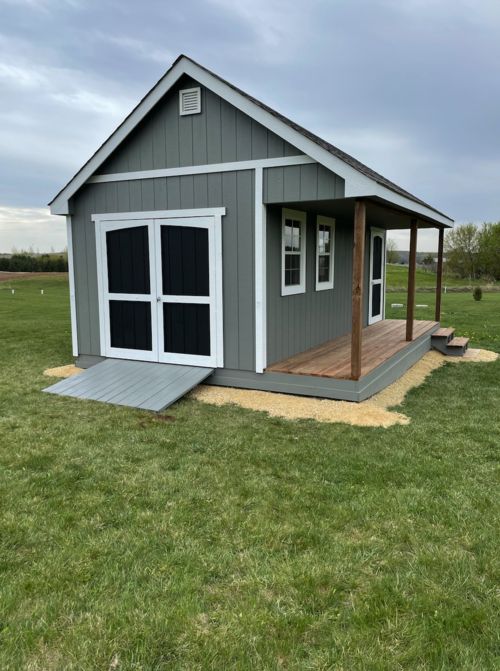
(324, 239)
(292, 235)
(324, 268)
(292, 269)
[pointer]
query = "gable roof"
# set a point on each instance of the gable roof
(360, 179)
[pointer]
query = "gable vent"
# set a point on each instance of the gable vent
(190, 101)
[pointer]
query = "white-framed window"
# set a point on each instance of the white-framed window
(325, 252)
(293, 252)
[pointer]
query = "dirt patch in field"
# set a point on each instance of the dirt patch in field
(372, 412)
(63, 371)
(6, 276)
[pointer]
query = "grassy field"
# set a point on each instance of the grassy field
(218, 538)
(397, 277)
(477, 320)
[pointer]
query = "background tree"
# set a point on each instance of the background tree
(462, 250)
(428, 261)
(392, 253)
(489, 251)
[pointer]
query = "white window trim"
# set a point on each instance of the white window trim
(325, 221)
(298, 215)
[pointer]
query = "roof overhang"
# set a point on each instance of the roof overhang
(357, 185)
(379, 213)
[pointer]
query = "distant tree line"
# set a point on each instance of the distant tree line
(24, 262)
(474, 252)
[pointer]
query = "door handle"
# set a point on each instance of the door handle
(158, 299)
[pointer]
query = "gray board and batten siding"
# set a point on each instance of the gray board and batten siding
(234, 190)
(221, 133)
(298, 322)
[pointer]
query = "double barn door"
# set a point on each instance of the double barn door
(159, 290)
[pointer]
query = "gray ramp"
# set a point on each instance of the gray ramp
(137, 384)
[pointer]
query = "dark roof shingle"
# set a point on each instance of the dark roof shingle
(335, 151)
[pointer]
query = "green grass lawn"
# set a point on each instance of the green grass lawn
(477, 320)
(397, 277)
(218, 538)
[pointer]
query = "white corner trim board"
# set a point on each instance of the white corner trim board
(260, 275)
(71, 277)
(201, 169)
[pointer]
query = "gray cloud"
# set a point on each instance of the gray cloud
(411, 88)
(23, 228)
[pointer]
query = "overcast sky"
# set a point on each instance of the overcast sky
(410, 87)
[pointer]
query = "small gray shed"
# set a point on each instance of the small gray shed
(209, 231)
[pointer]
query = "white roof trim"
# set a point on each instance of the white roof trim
(356, 184)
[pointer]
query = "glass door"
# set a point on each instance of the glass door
(377, 276)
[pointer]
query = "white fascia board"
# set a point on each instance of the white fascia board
(60, 204)
(356, 184)
(396, 199)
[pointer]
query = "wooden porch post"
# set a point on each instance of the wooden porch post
(412, 265)
(358, 264)
(439, 275)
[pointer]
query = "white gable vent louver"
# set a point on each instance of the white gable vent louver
(190, 101)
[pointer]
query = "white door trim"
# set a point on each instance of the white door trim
(374, 232)
(215, 260)
(112, 221)
(105, 296)
(159, 214)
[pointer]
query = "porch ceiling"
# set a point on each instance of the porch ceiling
(379, 213)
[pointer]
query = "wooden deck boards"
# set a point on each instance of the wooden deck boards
(333, 358)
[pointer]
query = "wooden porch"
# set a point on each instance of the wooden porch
(357, 347)
(380, 342)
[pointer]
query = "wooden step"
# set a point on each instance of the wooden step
(459, 342)
(444, 333)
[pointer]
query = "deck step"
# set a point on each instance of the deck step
(444, 333)
(459, 342)
(445, 341)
